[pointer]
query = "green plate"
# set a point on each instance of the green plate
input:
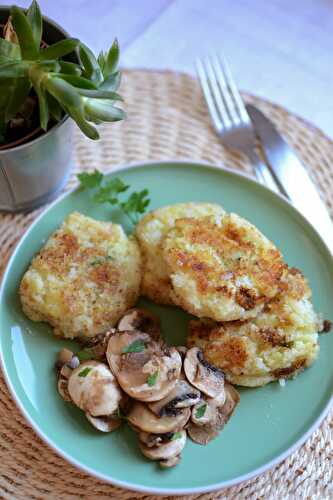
(269, 423)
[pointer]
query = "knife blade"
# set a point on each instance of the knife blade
(292, 175)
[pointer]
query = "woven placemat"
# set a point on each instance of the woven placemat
(167, 119)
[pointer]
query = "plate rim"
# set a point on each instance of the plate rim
(133, 486)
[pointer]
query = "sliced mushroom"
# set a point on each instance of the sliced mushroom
(204, 376)
(231, 401)
(183, 395)
(64, 375)
(205, 428)
(94, 389)
(171, 462)
(142, 418)
(166, 451)
(63, 389)
(96, 346)
(204, 413)
(145, 369)
(201, 434)
(65, 356)
(151, 440)
(65, 372)
(141, 320)
(104, 424)
(182, 351)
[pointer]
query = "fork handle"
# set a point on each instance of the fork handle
(265, 175)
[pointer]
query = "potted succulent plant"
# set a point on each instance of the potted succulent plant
(47, 79)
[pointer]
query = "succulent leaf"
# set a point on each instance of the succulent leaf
(103, 110)
(59, 49)
(63, 92)
(112, 60)
(100, 94)
(86, 90)
(8, 51)
(54, 107)
(77, 81)
(35, 19)
(90, 64)
(19, 91)
(70, 68)
(13, 69)
(28, 47)
(112, 82)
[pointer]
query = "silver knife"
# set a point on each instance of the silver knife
(292, 175)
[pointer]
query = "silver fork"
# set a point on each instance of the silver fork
(230, 118)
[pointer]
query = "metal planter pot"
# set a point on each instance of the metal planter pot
(32, 173)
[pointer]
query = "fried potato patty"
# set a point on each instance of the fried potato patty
(151, 231)
(84, 278)
(221, 267)
(277, 344)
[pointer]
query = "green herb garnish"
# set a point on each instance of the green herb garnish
(85, 371)
(176, 435)
(151, 380)
(136, 346)
(109, 191)
(90, 179)
(136, 205)
(201, 411)
(84, 355)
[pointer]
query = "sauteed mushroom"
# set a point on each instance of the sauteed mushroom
(142, 418)
(204, 376)
(140, 320)
(183, 395)
(145, 369)
(104, 424)
(93, 388)
(205, 425)
(167, 450)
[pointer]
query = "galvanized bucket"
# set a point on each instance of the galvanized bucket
(32, 173)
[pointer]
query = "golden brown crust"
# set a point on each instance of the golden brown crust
(280, 342)
(151, 231)
(222, 268)
(83, 279)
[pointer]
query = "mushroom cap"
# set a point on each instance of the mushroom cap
(142, 418)
(208, 417)
(167, 450)
(204, 376)
(231, 401)
(147, 374)
(170, 462)
(63, 389)
(183, 395)
(141, 320)
(94, 389)
(201, 434)
(104, 424)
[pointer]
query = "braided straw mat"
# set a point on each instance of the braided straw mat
(167, 119)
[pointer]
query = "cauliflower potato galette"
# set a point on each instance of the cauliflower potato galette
(279, 343)
(151, 231)
(221, 267)
(84, 278)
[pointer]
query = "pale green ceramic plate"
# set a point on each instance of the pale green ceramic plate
(269, 422)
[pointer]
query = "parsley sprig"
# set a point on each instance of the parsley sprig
(109, 191)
